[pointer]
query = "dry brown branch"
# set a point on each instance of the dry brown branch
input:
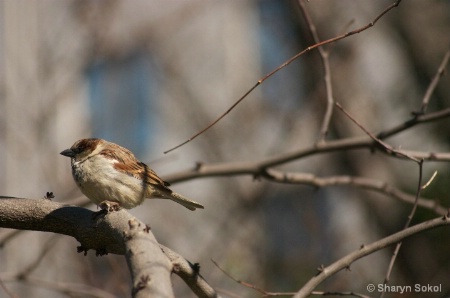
(391, 150)
(444, 113)
(433, 83)
(256, 168)
(349, 294)
(326, 70)
(45, 250)
(365, 250)
(266, 293)
(384, 146)
(8, 237)
(252, 286)
(407, 224)
(286, 63)
(360, 182)
(5, 289)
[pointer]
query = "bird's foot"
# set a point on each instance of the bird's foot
(109, 206)
(106, 207)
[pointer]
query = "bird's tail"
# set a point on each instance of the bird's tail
(191, 205)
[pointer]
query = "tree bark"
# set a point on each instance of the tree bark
(116, 232)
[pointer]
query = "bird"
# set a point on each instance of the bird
(110, 175)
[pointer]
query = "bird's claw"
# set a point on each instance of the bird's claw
(109, 206)
(106, 207)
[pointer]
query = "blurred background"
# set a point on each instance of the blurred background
(149, 74)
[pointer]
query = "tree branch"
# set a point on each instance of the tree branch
(360, 182)
(352, 143)
(326, 76)
(190, 273)
(433, 83)
(365, 250)
(117, 232)
(150, 269)
(286, 63)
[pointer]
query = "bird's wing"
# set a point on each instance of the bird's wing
(127, 163)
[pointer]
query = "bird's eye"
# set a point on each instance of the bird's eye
(78, 149)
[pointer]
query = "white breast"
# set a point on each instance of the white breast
(99, 181)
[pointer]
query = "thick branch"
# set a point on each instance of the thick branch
(190, 274)
(105, 234)
(150, 269)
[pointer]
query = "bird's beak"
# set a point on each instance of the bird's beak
(68, 153)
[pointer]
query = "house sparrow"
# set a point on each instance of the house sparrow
(106, 172)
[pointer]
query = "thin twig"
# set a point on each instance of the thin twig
(429, 180)
(266, 293)
(278, 294)
(412, 122)
(286, 63)
(368, 249)
(419, 188)
(359, 182)
(221, 116)
(9, 236)
(389, 149)
(49, 244)
(433, 84)
(255, 168)
(326, 76)
(407, 224)
(5, 289)
(351, 294)
(246, 284)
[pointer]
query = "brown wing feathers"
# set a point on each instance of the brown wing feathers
(129, 164)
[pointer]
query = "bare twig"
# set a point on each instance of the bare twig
(360, 182)
(286, 63)
(47, 248)
(433, 84)
(255, 168)
(351, 294)
(408, 222)
(419, 188)
(387, 148)
(429, 180)
(414, 121)
(9, 236)
(327, 73)
(266, 293)
(5, 289)
(251, 286)
(365, 250)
